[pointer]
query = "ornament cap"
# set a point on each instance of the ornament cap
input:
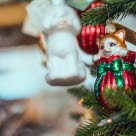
(110, 27)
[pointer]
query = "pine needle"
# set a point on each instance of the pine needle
(112, 9)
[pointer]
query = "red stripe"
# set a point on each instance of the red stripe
(126, 81)
(108, 82)
(83, 37)
(92, 38)
(102, 29)
(113, 82)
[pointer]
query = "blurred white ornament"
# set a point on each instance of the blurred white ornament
(61, 24)
(36, 10)
(90, 79)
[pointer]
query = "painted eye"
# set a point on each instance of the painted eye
(112, 44)
(102, 47)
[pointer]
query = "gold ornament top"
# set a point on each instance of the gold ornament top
(110, 27)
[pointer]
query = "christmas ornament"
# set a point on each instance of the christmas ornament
(88, 34)
(110, 27)
(35, 16)
(114, 67)
(63, 65)
(33, 23)
(87, 38)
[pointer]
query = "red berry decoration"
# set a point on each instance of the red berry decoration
(88, 34)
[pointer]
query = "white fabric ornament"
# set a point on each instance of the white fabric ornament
(36, 10)
(62, 25)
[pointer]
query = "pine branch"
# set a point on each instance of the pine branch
(79, 92)
(89, 100)
(125, 102)
(131, 132)
(120, 129)
(86, 129)
(88, 97)
(111, 9)
(116, 1)
(124, 121)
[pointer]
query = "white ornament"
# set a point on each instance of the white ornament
(36, 10)
(61, 24)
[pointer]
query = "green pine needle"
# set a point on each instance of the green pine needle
(110, 10)
(120, 129)
(124, 120)
(124, 101)
(79, 92)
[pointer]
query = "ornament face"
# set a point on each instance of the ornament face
(114, 67)
(112, 44)
(61, 25)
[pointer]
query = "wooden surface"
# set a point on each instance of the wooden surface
(12, 14)
(13, 36)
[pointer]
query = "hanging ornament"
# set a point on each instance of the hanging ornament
(64, 67)
(114, 67)
(87, 38)
(88, 34)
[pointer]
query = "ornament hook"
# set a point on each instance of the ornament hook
(110, 27)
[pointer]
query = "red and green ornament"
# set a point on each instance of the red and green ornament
(115, 68)
(114, 73)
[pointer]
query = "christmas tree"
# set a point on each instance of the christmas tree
(122, 120)
(115, 110)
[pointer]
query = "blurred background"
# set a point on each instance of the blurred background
(43, 110)
(28, 105)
